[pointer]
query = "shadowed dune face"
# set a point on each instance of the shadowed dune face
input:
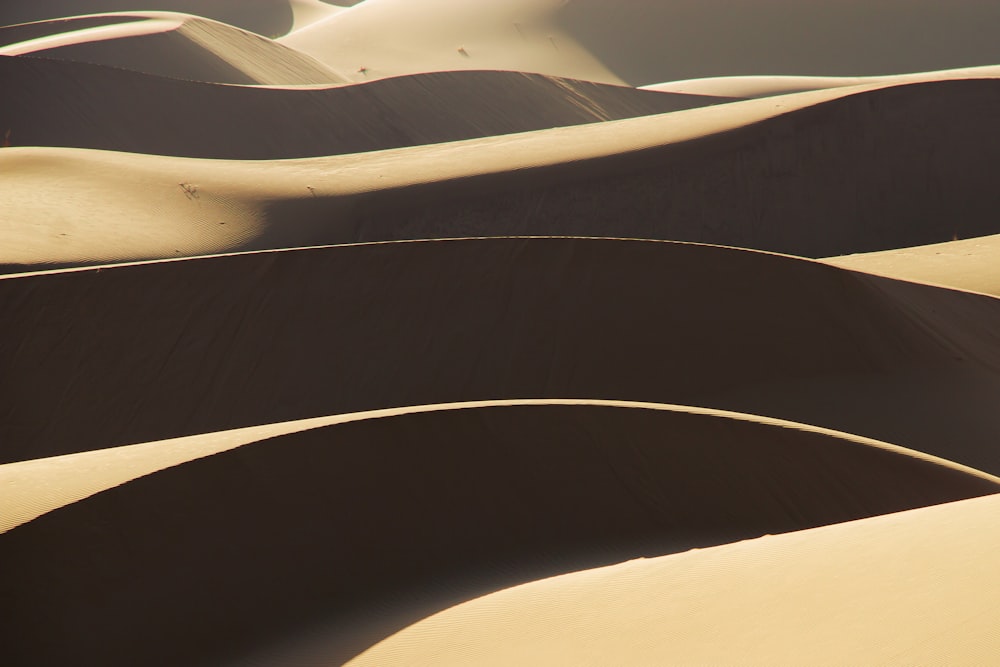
(838, 177)
(188, 119)
(126, 354)
(831, 179)
(207, 559)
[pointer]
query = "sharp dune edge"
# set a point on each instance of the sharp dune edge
(542, 332)
(400, 485)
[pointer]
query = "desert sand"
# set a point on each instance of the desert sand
(540, 332)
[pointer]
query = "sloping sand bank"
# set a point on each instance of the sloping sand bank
(915, 588)
(229, 551)
(135, 353)
(168, 44)
(844, 171)
(85, 106)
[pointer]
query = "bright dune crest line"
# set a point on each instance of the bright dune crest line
(38, 486)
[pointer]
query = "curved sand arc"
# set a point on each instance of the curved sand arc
(35, 487)
(743, 174)
(384, 514)
(85, 106)
(179, 46)
(914, 588)
(643, 42)
(166, 349)
(264, 17)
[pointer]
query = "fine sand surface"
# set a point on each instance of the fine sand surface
(514, 332)
(970, 264)
(821, 173)
(85, 106)
(915, 588)
(167, 44)
(172, 348)
(766, 86)
(648, 41)
(243, 547)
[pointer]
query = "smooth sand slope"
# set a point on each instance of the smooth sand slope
(168, 44)
(127, 354)
(647, 41)
(265, 17)
(816, 174)
(915, 588)
(766, 86)
(35, 487)
(970, 264)
(228, 552)
(85, 106)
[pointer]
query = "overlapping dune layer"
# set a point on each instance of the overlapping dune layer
(549, 332)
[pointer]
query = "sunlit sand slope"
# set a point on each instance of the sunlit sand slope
(843, 171)
(226, 553)
(915, 588)
(649, 41)
(85, 106)
(265, 17)
(166, 349)
(167, 44)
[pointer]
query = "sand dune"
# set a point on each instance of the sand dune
(84, 106)
(766, 86)
(166, 349)
(168, 44)
(250, 543)
(38, 486)
(915, 588)
(647, 41)
(816, 174)
(265, 17)
(970, 264)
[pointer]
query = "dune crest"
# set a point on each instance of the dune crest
(178, 46)
(462, 500)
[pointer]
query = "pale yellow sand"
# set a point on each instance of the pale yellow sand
(384, 519)
(32, 488)
(969, 264)
(57, 208)
(174, 45)
(766, 86)
(914, 588)
(648, 41)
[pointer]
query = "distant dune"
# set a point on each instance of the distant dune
(816, 174)
(265, 17)
(499, 332)
(175, 45)
(167, 349)
(241, 548)
(641, 42)
(915, 588)
(84, 106)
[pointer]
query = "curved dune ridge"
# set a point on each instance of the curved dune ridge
(264, 17)
(166, 349)
(38, 486)
(447, 332)
(816, 174)
(915, 588)
(124, 111)
(174, 45)
(251, 543)
(647, 41)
